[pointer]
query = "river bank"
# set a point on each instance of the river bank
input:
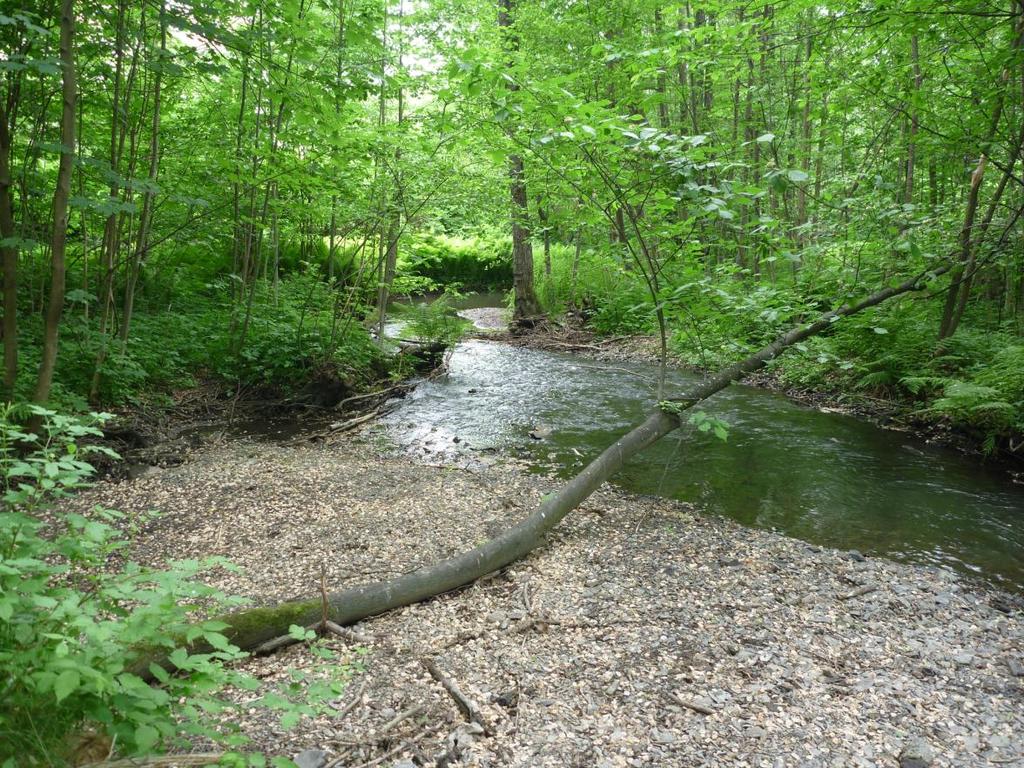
(643, 634)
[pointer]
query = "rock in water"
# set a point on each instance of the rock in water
(540, 432)
(311, 758)
(917, 753)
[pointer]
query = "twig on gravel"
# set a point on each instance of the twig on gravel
(324, 605)
(199, 758)
(348, 634)
(395, 749)
(273, 645)
(397, 719)
(344, 711)
(859, 592)
(321, 628)
(465, 704)
(690, 704)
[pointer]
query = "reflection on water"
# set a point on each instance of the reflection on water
(826, 478)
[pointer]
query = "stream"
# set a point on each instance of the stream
(829, 479)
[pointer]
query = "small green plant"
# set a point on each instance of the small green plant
(703, 421)
(436, 321)
(79, 634)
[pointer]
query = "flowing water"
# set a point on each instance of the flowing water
(826, 478)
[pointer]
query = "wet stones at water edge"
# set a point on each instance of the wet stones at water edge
(916, 753)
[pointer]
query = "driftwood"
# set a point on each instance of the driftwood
(250, 628)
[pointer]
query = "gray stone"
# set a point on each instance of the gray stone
(311, 758)
(1016, 668)
(916, 753)
(662, 737)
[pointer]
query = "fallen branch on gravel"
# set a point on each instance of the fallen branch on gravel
(466, 705)
(690, 704)
(429, 731)
(251, 628)
(866, 589)
(198, 758)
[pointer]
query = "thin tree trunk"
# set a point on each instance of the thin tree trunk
(61, 195)
(908, 194)
(110, 228)
(145, 219)
(9, 255)
(332, 247)
(979, 236)
(394, 228)
(526, 307)
(948, 325)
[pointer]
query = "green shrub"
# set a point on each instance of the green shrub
(434, 321)
(472, 264)
(78, 625)
(72, 625)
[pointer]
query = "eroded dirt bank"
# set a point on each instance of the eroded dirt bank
(643, 634)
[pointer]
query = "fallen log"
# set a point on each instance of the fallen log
(251, 628)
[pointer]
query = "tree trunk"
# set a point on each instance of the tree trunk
(526, 307)
(145, 218)
(394, 229)
(908, 194)
(248, 629)
(61, 195)
(948, 325)
(9, 255)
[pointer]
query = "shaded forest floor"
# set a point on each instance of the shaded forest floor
(643, 634)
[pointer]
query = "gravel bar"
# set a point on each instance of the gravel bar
(642, 634)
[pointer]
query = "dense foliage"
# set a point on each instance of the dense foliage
(234, 190)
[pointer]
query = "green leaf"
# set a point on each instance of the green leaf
(67, 683)
(159, 673)
(797, 176)
(146, 737)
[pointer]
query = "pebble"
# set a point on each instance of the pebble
(311, 758)
(916, 753)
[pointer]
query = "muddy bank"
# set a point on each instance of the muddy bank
(151, 437)
(642, 634)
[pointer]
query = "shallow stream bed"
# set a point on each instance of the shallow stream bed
(827, 478)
